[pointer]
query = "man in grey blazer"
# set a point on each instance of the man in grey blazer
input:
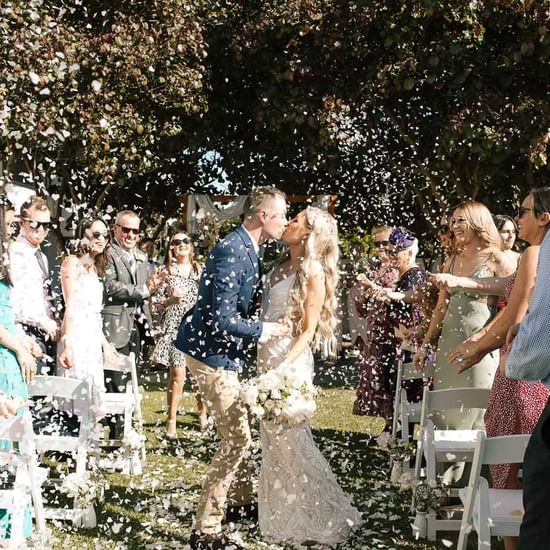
(128, 285)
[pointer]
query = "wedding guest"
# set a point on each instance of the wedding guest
(126, 311)
(508, 229)
(17, 365)
(172, 300)
(31, 298)
(374, 394)
(403, 250)
(83, 344)
(529, 359)
(515, 406)
(459, 314)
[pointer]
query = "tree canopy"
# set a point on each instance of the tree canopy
(403, 107)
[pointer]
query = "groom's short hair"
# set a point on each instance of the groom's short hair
(257, 198)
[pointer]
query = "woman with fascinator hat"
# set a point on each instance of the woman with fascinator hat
(403, 249)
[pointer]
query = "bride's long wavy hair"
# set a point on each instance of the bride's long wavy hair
(321, 249)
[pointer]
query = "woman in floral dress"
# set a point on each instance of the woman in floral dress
(173, 299)
(379, 354)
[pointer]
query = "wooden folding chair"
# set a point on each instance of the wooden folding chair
(18, 455)
(444, 446)
(492, 512)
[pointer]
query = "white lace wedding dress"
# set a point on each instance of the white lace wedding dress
(299, 498)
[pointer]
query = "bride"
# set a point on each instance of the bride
(299, 499)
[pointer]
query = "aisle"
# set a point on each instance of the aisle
(155, 512)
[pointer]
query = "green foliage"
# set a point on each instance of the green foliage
(403, 107)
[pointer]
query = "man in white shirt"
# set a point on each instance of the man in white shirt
(31, 300)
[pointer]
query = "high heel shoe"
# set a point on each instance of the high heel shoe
(171, 433)
(203, 422)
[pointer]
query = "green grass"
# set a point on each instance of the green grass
(155, 511)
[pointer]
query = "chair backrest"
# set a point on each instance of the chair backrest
(55, 388)
(125, 363)
(18, 429)
(59, 386)
(509, 449)
(454, 398)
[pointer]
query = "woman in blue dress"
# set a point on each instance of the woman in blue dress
(17, 364)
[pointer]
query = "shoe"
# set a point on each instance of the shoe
(171, 438)
(202, 541)
(245, 512)
(203, 423)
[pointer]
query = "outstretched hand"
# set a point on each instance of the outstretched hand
(465, 356)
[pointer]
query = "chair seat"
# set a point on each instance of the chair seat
(57, 443)
(456, 436)
(505, 510)
(116, 403)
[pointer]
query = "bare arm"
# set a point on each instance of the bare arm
(432, 334)
(313, 304)
(494, 335)
(26, 361)
(69, 277)
(482, 285)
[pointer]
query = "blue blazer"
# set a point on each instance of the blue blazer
(213, 330)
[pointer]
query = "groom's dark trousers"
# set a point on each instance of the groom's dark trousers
(535, 527)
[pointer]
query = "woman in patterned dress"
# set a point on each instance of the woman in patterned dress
(173, 299)
(379, 353)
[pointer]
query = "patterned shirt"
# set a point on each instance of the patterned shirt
(529, 358)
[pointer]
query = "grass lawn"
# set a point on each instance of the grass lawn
(155, 510)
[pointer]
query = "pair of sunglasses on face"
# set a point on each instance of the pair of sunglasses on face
(380, 244)
(34, 224)
(128, 230)
(177, 242)
(97, 234)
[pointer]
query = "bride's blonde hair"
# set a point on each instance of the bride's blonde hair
(320, 252)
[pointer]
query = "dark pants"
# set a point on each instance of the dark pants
(115, 381)
(535, 527)
(44, 415)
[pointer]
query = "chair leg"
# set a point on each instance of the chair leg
(431, 528)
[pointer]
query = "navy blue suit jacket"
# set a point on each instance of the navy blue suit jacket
(227, 298)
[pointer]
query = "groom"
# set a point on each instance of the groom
(211, 337)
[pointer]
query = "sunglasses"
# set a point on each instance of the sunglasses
(33, 224)
(379, 244)
(177, 242)
(444, 228)
(97, 234)
(127, 230)
(522, 210)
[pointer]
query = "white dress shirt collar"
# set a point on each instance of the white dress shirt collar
(254, 243)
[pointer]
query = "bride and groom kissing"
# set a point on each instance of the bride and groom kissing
(299, 499)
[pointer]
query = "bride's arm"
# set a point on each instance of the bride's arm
(313, 304)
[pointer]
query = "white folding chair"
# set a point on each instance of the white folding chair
(492, 512)
(127, 404)
(401, 406)
(18, 454)
(444, 446)
(57, 390)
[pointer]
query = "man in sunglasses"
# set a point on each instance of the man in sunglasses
(126, 314)
(31, 297)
